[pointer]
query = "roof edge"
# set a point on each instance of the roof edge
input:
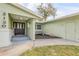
(25, 9)
(67, 16)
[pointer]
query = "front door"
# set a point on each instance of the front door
(19, 28)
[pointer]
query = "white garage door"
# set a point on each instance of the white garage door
(70, 31)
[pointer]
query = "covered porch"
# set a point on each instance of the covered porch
(21, 28)
(16, 21)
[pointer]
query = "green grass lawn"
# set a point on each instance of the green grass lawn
(57, 50)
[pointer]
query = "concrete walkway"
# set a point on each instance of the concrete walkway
(55, 41)
(16, 49)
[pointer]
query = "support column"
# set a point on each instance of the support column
(31, 29)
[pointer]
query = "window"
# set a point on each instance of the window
(38, 27)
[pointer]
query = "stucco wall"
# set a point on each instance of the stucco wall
(31, 29)
(6, 33)
(67, 28)
(4, 37)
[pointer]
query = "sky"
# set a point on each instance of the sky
(62, 8)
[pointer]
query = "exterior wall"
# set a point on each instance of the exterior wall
(5, 36)
(6, 33)
(11, 26)
(54, 28)
(67, 28)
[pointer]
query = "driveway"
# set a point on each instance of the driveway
(54, 41)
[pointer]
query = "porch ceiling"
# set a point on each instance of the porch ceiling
(18, 17)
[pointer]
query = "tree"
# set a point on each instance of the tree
(46, 9)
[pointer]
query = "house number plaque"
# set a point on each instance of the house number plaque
(4, 21)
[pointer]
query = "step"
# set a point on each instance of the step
(20, 38)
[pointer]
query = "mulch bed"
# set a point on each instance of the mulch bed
(40, 36)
